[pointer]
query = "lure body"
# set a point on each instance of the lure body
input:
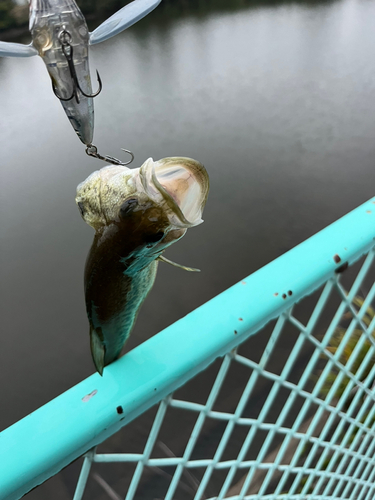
(137, 214)
(53, 23)
(60, 36)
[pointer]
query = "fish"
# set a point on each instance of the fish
(60, 36)
(137, 214)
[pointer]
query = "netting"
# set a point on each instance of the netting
(289, 414)
(265, 392)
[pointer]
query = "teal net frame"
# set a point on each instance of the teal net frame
(324, 449)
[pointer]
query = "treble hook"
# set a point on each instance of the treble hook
(65, 38)
(92, 150)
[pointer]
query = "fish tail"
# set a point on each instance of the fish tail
(98, 349)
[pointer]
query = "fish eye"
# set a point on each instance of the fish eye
(127, 207)
(154, 238)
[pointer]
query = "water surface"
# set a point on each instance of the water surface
(277, 101)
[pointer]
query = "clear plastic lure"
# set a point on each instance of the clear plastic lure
(61, 38)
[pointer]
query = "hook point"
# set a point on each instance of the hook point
(92, 150)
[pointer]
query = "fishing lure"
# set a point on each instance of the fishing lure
(61, 38)
(136, 214)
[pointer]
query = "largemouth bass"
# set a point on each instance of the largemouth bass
(136, 214)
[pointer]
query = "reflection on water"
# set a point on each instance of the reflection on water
(277, 102)
(172, 8)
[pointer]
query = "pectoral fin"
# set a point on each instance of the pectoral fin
(97, 348)
(167, 261)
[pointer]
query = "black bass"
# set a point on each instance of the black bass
(137, 214)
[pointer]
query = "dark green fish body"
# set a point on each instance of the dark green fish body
(137, 214)
(113, 299)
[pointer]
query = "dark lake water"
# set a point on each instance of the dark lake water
(276, 100)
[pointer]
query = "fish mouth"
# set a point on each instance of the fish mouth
(181, 183)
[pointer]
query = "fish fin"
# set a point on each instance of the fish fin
(167, 261)
(97, 349)
(124, 18)
(9, 49)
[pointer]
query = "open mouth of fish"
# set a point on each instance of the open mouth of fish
(178, 185)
